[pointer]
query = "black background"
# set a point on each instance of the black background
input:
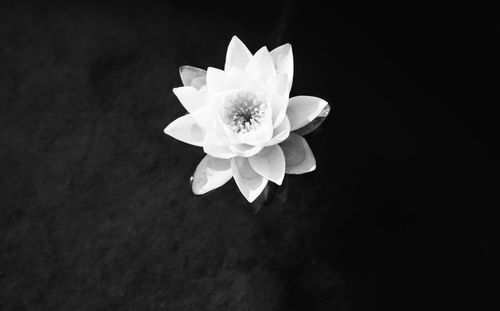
(96, 211)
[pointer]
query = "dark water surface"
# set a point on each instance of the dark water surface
(96, 211)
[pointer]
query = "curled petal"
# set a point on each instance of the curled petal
(280, 133)
(186, 130)
(244, 150)
(248, 181)
(192, 76)
(210, 173)
(298, 156)
(215, 79)
(270, 163)
(314, 124)
(283, 61)
(216, 147)
(261, 64)
(303, 109)
(237, 54)
(191, 98)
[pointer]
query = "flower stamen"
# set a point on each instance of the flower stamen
(244, 112)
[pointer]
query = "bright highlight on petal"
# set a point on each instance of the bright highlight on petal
(270, 163)
(298, 156)
(303, 109)
(211, 173)
(186, 130)
(249, 182)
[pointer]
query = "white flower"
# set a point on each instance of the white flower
(243, 118)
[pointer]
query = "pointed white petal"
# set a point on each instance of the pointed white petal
(191, 98)
(279, 107)
(244, 150)
(303, 109)
(314, 124)
(211, 173)
(298, 156)
(192, 76)
(283, 61)
(216, 147)
(280, 133)
(186, 130)
(215, 79)
(278, 85)
(205, 118)
(261, 64)
(237, 54)
(270, 163)
(248, 181)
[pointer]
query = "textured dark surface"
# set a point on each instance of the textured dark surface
(96, 211)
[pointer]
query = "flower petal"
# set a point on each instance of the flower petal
(279, 107)
(216, 147)
(236, 78)
(278, 85)
(191, 98)
(261, 64)
(270, 163)
(303, 109)
(237, 54)
(314, 124)
(186, 130)
(283, 61)
(205, 118)
(248, 181)
(280, 133)
(244, 150)
(298, 156)
(215, 79)
(210, 173)
(192, 76)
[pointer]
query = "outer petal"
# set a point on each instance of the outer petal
(237, 54)
(186, 130)
(211, 173)
(303, 109)
(280, 133)
(191, 98)
(215, 79)
(283, 61)
(249, 182)
(244, 150)
(261, 64)
(298, 156)
(192, 76)
(270, 163)
(214, 146)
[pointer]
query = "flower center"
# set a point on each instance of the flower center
(244, 112)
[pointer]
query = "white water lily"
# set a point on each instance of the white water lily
(243, 118)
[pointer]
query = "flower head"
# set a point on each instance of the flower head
(243, 118)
